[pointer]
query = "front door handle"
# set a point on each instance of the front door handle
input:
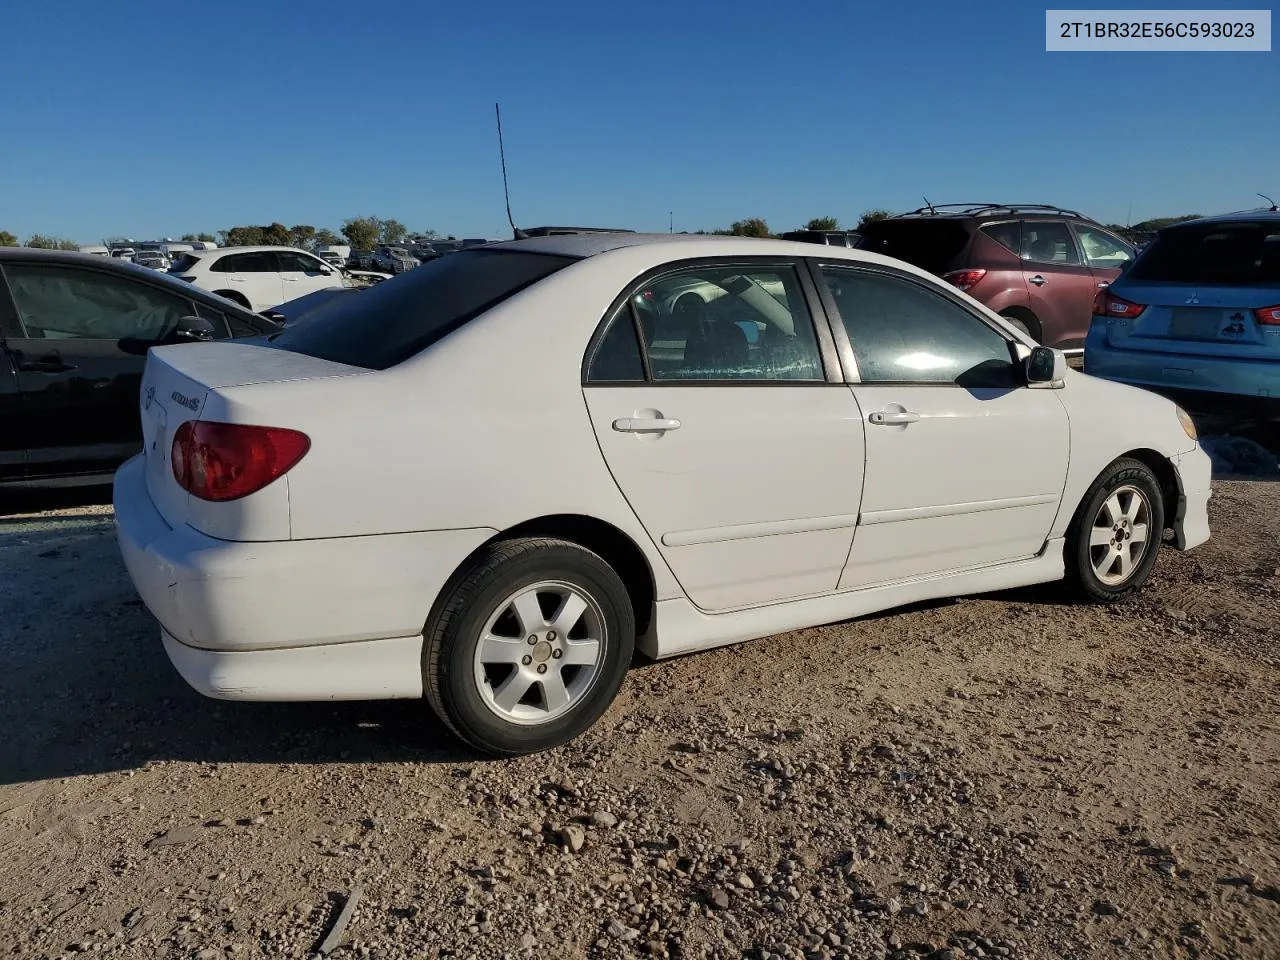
(1103, 284)
(47, 364)
(1038, 280)
(645, 425)
(893, 418)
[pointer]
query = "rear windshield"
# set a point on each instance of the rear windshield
(395, 319)
(931, 245)
(1233, 255)
(184, 263)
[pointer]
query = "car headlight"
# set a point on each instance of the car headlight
(1188, 425)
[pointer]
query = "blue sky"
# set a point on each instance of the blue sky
(145, 119)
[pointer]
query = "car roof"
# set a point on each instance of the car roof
(259, 248)
(986, 211)
(1264, 215)
(678, 246)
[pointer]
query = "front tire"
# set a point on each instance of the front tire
(1115, 535)
(529, 647)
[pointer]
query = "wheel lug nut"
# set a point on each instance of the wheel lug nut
(557, 654)
(526, 660)
(542, 668)
(551, 635)
(532, 641)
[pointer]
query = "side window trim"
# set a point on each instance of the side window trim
(810, 291)
(597, 344)
(11, 327)
(842, 335)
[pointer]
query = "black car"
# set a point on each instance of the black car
(74, 333)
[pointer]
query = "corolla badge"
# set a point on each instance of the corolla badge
(191, 403)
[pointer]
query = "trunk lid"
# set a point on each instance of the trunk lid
(1212, 321)
(180, 382)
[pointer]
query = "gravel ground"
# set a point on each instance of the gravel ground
(1004, 776)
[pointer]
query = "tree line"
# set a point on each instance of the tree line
(365, 233)
(362, 233)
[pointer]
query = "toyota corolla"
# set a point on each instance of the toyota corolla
(488, 481)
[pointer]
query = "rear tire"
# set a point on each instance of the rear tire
(1115, 535)
(1026, 322)
(529, 646)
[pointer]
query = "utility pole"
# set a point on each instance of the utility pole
(671, 223)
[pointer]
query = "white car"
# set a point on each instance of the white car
(257, 277)
(481, 483)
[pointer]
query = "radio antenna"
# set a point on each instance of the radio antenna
(506, 192)
(1269, 200)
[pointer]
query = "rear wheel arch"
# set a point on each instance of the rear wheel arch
(1027, 319)
(234, 296)
(605, 540)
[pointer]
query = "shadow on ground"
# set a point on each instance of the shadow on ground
(88, 689)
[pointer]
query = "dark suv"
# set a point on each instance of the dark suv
(1040, 266)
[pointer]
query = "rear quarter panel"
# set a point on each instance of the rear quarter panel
(487, 428)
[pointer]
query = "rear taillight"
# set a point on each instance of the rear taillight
(1107, 304)
(226, 461)
(1268, 316)
(964, 279)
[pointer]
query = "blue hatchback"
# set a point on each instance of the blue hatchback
(1198, 311)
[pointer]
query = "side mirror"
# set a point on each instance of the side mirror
(1046, 369)
(193, 328)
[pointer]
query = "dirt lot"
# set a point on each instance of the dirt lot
(1003, 776)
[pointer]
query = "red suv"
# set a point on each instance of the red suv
(1040, 266)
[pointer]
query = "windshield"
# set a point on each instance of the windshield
(1224, 254)
(395, 319)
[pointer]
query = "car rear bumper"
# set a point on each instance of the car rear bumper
(220, 597)
(1183, 372)
(366, 670)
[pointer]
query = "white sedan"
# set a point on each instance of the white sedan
(488, 481)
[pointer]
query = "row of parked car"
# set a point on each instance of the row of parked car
(1196, 314)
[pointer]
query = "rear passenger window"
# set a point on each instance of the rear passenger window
(1008, 235)
(246, 263)
(726, 323)
(617, 357)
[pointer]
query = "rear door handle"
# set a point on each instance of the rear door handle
(645, 425)
(893, 418)
(1038, 280)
